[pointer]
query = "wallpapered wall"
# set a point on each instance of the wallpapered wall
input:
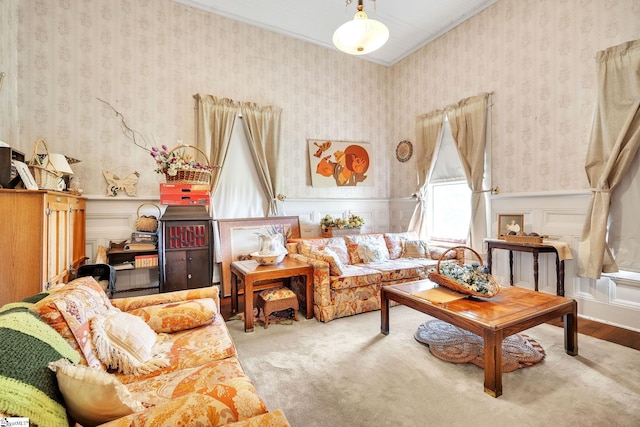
(148, 58)
(538, 59)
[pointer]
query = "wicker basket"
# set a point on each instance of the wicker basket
(191, 176)
(523, 239)
(450, 283)
(147, 223)
(46, 176)
(334, 232)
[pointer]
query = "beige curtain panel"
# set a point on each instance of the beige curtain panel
(614, 142)
(429, 130)
(262, 126)
(468, 121)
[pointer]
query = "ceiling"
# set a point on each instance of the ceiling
(411, 23)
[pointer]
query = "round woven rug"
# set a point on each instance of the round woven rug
(453, 344)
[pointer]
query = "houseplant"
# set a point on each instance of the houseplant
(331, 226)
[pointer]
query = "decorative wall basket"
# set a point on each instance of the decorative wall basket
(147, 223)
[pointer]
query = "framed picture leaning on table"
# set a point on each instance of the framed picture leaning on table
(510, 222)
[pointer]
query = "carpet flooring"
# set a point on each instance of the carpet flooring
(345, 373)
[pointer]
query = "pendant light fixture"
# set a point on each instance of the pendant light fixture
(361, 35)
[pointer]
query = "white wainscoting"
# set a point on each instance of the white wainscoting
(613, 299)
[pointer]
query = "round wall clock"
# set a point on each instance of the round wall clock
(404, 150)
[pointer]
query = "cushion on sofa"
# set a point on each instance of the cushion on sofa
(27, 387)
(395, 242)
(372, 243)
(224, 380)
(125, 342)
(189, 348)
(415, 249)
(131, 303)
(339, 246)
(68, 311)
(336, 266)
(178, 316)
(91, 395)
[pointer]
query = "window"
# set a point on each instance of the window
(239, 193)
(449, 196)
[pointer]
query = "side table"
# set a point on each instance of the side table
(534, 249)
(250, 272)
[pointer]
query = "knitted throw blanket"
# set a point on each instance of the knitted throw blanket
(28, 388)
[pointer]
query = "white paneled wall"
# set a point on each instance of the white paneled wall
(612, 299)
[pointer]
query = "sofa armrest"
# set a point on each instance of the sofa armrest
(321, 285)
(132, 303)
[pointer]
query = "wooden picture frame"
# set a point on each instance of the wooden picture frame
(238, 239)
(509, 222)
(25, 175)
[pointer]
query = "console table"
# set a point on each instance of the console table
(534, 249)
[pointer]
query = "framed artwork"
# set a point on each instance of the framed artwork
(340, 163)
(25, 175)
(404, 150)
(510, 222)
(238, 238)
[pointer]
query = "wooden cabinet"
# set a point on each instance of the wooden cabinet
(185, 248)
(42, 241)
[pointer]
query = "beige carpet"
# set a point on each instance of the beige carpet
(345, 373)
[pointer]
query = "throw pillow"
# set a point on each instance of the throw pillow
(69, 309)
(395, 242)
(125, 342)
(373, 251)
(178, 316)
(371, 239)
(338, 245)
(27, 388)
(416, 249)
(91, 395)
(336, 267)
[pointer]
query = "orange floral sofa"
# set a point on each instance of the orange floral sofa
(71, 355)
(349, 270)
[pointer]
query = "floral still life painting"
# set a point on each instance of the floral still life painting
(340, 163)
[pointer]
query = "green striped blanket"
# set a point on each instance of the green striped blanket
(28, 388)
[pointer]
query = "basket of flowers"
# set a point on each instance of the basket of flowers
(468, 279)
(184, 164)
(341, 226)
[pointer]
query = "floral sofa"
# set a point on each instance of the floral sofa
(349, 270)
(70, 356)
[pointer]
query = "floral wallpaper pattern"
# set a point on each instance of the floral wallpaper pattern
(147, 58)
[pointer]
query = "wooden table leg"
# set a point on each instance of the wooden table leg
(234, 293)
(571, 331)
(384, 312)
(535, 270)
(248, 304)
(309, 293)
(493, 362)
(511, 268)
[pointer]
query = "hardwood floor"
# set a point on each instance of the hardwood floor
(599, 330)
(606, 332)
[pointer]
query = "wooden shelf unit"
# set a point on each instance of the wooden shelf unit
(42, 241)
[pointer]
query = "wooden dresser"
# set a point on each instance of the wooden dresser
(42, 241)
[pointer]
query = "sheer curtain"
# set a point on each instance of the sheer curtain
(262, 126)
(615, 138)
(468, 120)
(429, 129)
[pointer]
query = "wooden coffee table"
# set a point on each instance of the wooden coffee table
(511, 311)
(250, 272)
